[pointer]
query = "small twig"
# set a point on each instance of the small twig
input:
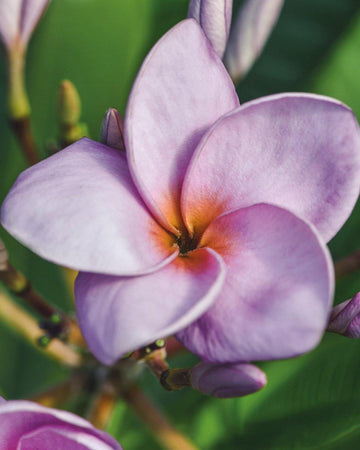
(23, 131)
(103, 405)
(26, 326)
(57, 322)
(157, 423)
(347, 265)
(57, 395)
(18, 105)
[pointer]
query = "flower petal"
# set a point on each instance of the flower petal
(298, 151)
(18, 418)
(345, 318)
(18, 18)
(118, 315)
(251, 30)
(214, 16)
(80, 208)
(58, 437)
(181, 89)
(278, 290)
(227, 380)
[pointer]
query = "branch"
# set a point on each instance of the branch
(157, 423)
(26, 326)
(347, 265)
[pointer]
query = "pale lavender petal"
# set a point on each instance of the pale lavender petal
(181, 89)
(297, 151)
(276, 298)
(21, 418)
(2, 400)
(214, 16)
(18, 19)
(31, 12)
(227, 380)
(56, 437)
(80, 208)
(112, 130)
(118, 315)
(345, 318)
(249, 34)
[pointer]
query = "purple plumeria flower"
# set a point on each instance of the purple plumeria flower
(345, 318)
(249, 34)
(227, 380)
(28, 426)
(214, 16)
(18, 19)
(213, 223)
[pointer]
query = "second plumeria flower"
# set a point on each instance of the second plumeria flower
(212, 225)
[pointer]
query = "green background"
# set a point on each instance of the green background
(310, 402)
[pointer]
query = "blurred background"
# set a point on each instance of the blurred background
(310, 402)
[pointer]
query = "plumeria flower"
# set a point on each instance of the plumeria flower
(249, 34)
(345, 318)
(213, 223)
(25, 425)
(18, 18)
(214, 16)
(227, 380)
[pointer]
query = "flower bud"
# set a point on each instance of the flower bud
(345, 318)
(214, 16)
(25, 424)
(227, 380)
(112, 129)
(69, 113)
(249, 34)
(18, 18)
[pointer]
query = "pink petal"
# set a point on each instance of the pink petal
(56, 437)
(18, 18)
(227, 380)
(345, 318)
(278, 290)
(80, 208)
(181, 89)
(20, 418)
(249, 34)
(298, 151)
(118, 315)
(214, 16)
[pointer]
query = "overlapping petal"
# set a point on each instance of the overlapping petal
(118, 315)
(227, 380)
(26, 425)
(181, 89)
(214, 16)
(251, 29)
(18, 19)
(278, 290)
(80, 208)
(298, 151)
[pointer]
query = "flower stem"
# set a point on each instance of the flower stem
(103, 406)
(59, 394)
(18, 104)
(347, 265)
(27, 326)
(19, 285)
(158, 424)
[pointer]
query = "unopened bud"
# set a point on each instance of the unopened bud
(227, 380)
(69, 112)
(345, 318)
(112, 130)
(69, 104)
(249, 34)
(215, 20)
